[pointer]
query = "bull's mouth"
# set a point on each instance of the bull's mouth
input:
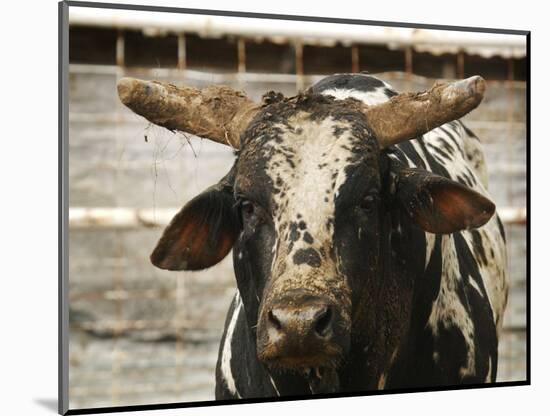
(320, 372)
(304, 334)
(300, 363)
(322, 379)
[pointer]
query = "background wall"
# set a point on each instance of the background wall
(140, 335)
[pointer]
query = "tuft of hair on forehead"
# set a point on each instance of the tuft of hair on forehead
(271, 97)
(277, 110)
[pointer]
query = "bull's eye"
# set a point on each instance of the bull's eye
(252, 215)
(249, 211)
(247, 208)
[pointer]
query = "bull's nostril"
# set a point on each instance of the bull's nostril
(324, 322)
(274, 321)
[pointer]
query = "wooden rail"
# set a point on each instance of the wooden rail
(128, 218)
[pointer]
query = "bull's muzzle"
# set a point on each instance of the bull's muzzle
(302, 330)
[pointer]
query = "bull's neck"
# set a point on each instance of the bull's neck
(385, 315)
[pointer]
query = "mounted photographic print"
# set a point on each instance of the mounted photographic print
(263, 208)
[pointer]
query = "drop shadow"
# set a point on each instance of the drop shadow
(49, 404)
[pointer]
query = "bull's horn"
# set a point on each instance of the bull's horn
(217, 113)
(409, 115)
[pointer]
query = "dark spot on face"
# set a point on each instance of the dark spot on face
(293, 234)
(301, 224)
(338, 131)
(272, 97)
(307, 256)
(308, 238)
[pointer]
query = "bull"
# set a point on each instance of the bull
(366, 249)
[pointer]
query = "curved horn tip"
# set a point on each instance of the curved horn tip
(125, 86)
(479, 84)
(475, 85)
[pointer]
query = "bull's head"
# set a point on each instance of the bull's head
(304, 204)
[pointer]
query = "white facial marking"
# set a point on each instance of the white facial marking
(309, 189)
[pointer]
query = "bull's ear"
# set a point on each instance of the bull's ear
(440, 205)
(201, 234)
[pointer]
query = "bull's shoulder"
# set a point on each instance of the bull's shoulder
(466, 313)
(488, 260)
(459, 153)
